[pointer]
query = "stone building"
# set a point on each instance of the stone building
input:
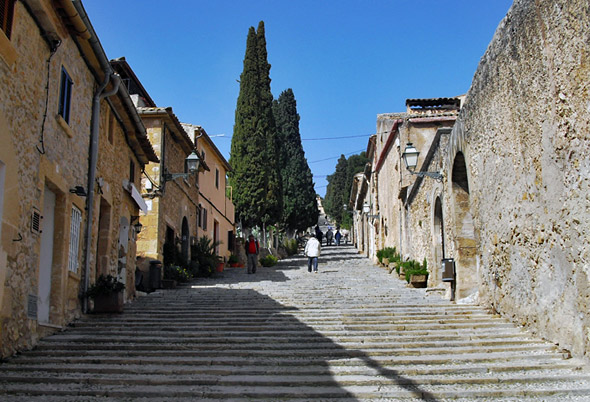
(216, 212)
(62, 196)
(512, 207)
(518, 172)
(387, 211)
(181, 207)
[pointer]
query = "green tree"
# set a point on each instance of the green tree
(254, 151)
(300, 209)
(340, 185)
(336, 192)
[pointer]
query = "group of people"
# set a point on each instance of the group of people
(330, 236)
(313, 248)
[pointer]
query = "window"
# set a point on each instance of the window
(6, 13)
(131, 172)
(199, 212)
(204, 218)
(74, 249)
(65, 95)
(216, 178)
(111, 125)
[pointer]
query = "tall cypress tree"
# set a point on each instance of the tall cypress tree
(267, 126)
(300, 209)
(338, 191)
(253, 156)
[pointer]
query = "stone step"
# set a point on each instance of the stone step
(351, 359)
(332, 351)
(316, 380)
(149, 343)
(400, 389)
(475, 369)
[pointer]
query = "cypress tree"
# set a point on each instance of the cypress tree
(267, 126)
(338, 191)
(253, 156)
(300, 209)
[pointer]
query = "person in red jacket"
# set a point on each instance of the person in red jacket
(252, 250)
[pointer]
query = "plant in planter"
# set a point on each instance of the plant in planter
(269, 261)
(175, 274)
(107, 294)
(234, 261)
(204, 257)
(416, 274)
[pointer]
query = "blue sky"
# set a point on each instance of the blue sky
(345, 60)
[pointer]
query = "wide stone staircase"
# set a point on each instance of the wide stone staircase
(351, 332)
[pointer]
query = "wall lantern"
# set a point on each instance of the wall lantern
(410, 157)
(367, 209)
(192, 164)
(137, 226)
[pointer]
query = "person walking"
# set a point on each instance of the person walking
(329, 237)
(337, 237)
(318, 233)
(252, 250)
(313, 249)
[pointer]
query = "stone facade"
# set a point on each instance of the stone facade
(218, 223)
(523, 141)
(512, 207)
(44, 158)
(173, 205)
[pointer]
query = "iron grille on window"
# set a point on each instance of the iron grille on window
(6, 13)
(74, 239)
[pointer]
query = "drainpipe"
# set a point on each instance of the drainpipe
(93, 160)
(81, 22)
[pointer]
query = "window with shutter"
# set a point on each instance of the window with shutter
(6, 13)
(65, 95)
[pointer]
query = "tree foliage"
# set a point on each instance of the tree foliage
(300, 209)
(340, 185)
(254, 150)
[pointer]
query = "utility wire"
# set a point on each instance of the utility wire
(336, 138)
(336, 157)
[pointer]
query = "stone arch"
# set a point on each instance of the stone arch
(463, 230)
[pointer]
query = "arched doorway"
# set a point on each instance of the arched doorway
(184, 247)
(438, 241)
(464, 233)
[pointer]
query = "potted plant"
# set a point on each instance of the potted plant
(107, 294)
(233, 261)
(205, 260)
(416, 274)
(268, 261)
(174, 274)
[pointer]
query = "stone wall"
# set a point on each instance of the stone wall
(523, 133)
(38, 151)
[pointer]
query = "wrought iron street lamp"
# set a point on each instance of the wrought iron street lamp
(192, 164)
(367, 209)
(410, 157)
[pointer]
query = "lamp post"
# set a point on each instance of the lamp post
(410, 157)
(192, 163)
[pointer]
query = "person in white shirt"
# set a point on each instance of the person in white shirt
(313, 249)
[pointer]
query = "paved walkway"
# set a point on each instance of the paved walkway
(351, 332)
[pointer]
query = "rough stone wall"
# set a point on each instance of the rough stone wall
(388, 183)
(179, 198)
(524, 133)
(113, 168)
(60, 161)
